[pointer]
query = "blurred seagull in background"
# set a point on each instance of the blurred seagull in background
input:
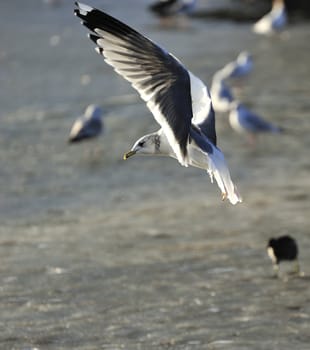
(243, 120)
(283, 248)
(274, 21)
(87, 126)
(178, 100)
(221, 94)
(166, 10)
(238, 68)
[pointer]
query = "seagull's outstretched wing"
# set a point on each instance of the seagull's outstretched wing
(161, 80)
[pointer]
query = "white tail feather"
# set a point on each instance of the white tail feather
(217, 167)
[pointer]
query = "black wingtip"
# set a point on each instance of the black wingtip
(93, 37)
(99, 50)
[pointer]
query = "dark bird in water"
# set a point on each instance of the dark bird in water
(87, 126)
(281, 249)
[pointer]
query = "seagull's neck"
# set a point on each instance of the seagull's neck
(164, 146)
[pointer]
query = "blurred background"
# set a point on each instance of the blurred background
(101, 253)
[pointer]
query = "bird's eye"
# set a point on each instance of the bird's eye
(141, 143)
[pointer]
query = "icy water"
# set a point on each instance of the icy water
(98, 253)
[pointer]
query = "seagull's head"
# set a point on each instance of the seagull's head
(244, 57)
(147, 144)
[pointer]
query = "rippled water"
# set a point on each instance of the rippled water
(101, 253)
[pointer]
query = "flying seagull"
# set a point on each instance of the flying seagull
(87, 126)
(178, 100)
(202, 151)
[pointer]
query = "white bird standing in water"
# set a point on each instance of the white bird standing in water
(239, 68)
(178, 100)
(221, 94)
(87, 126)
(244, 121)
(284, 249)
(274, 21)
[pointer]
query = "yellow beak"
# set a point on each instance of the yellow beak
(129, 154)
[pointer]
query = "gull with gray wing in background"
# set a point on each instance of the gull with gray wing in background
(245, 121)
(274, 21)
(178, 100)
(87, 126)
